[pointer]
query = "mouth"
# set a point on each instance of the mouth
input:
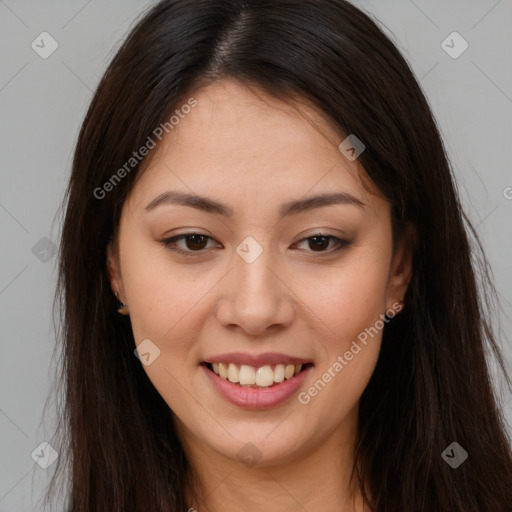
(256, 381)
(263, 377)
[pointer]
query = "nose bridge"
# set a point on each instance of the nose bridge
(256, 298)
(256, 276)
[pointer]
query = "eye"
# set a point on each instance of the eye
(320, 242)
(194, 242)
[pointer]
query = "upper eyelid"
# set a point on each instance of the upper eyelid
(183, 235)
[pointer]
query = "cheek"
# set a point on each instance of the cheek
(166, 307)
(161, 296)
(349, 297)
(351, 305)
(339, 384)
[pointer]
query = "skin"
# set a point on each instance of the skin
(255, 152)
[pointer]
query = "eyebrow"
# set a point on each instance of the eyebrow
(209, 205)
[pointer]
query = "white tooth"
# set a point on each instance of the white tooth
(298, 368)
(215, 367)
(264, 376)
(279, 373)
(233, 372)
(247, 375)
(223, 372)
(288, 373)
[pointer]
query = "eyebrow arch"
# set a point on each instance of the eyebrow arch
(209, 205)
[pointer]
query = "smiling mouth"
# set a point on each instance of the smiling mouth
(247, 376)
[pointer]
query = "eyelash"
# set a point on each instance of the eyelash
(169, 243)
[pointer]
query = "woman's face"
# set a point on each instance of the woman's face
(273, 278)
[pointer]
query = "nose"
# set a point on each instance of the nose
(256, 299)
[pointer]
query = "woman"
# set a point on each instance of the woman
(268, 287)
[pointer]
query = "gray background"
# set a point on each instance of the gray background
(43, 102)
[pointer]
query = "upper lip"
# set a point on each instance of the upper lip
(256, 360)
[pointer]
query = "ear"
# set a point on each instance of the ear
(114, 273)
(401, 267)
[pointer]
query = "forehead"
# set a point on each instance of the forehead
(250, 147)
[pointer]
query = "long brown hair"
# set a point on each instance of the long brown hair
(432, 383)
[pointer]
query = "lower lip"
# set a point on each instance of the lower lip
(257, 398)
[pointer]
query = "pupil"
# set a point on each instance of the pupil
(321, 245)
(194, 239)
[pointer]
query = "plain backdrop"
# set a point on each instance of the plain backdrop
(43, 101)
